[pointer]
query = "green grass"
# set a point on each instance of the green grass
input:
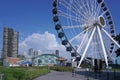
(61, 68)
(36, 71)
(23, 73)
(116, 69)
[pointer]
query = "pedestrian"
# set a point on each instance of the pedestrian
(73, 72)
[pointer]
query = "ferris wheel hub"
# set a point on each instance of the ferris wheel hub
(101, 21)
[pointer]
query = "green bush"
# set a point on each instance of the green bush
(19, 74)
(23, 73)
(37, 71)
(13, 73)
(1, 63)
(61, 68)
(85, 65)
(9, 77)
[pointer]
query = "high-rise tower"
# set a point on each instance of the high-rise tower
(10, 43)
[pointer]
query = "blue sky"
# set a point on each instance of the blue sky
(30, 17)
(26, 16)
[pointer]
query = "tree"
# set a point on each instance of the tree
(21, 56)
(117, 52)
(117, 38)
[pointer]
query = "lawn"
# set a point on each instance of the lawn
(19, 73)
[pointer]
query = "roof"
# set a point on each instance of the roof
(46, 54)
(12, 60)
(61, 59)
(26, 62)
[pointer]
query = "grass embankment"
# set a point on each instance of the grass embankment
(61, 68)
(23, 73)
(19, 73)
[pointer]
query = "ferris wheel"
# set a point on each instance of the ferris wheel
(86, 28)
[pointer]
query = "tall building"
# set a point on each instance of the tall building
(39, 52)
(30, 52)
(34, 53)
(57, 52)
(10, 43)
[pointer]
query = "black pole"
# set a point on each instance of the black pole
(114, 75)
(107, 75)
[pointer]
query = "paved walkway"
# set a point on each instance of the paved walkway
(54, 75)
(80, 75)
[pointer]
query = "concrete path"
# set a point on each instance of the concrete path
(80, 75)
(54, 75)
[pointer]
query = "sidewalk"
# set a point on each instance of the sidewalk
(54, 75)
(80, 75)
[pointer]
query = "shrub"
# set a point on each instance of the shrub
(1, 63)
(19, 74)
(23, 73)
(61, 68)
(37, 71)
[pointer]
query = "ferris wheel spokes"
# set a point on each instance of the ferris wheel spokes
(80, 45)
(103, 46)
(72, 39)
(72, 9)
(75, 26)
(104, 12)
(110, 37)
(81, 8)
(99, 8)
(69, 16)
(86, 48)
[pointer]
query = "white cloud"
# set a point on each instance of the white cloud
(43, 42)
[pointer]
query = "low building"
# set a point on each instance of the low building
(61, 61)
(45, 60)
(13, 61)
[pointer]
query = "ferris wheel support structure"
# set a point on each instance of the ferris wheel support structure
(86, 48)
(99, 29)
(111, 38)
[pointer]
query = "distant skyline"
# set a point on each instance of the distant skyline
(33, 20)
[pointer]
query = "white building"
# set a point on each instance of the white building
(30, 52)
(34, 53)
